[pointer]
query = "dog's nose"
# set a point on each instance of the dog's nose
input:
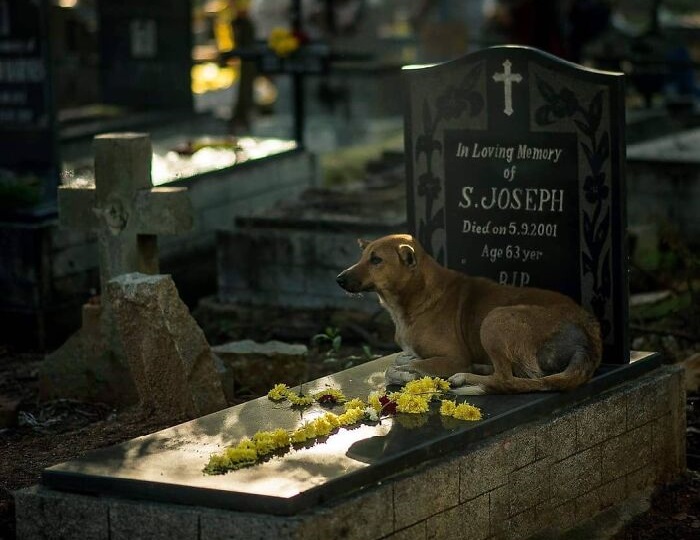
(342, 279)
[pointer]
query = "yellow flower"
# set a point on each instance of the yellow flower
(411, 403)
(278, 392)
(280, 438)
(465, 411)
(321, 426)
(441, 384)
(373, 401)
(355, 403)
(429, 386)
(447, 407)
(332, 420)
(218, 464)
(282, 41)
(351, 416)
(299, 400)
(303, 433)
(267, 442)
(244, 453)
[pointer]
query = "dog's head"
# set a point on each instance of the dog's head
(386, 264)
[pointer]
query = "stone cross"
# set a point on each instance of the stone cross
(507, 78)
(124, 208)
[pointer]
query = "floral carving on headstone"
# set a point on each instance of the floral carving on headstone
(449, 105)
(564, 105)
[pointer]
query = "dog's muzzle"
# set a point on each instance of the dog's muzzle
(347, 282)
(342, 280)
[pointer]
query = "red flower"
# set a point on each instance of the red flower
(388, 406)
(327, 399)
(303, 37)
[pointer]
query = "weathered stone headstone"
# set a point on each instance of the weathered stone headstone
(127, 213)
(29, 157)
(173, 368)
(145, 53)
(515, 172)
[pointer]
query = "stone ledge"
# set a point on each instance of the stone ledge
(511, 485)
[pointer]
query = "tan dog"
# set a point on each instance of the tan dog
(472, 330)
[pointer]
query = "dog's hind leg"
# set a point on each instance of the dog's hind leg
(575, 354)
(496, 333)
(482, 369)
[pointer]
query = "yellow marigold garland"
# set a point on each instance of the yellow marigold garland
(355, 403)
(413, 399)
(278, 392)
(299, 400)
(329, 396)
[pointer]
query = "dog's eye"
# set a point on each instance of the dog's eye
(375, 260)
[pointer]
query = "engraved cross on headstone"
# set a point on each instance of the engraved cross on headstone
(507, 78)
(123, 206)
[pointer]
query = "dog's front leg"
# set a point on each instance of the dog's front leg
(404, 358)
(399, 374)
(436, 366)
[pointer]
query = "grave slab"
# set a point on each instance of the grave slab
(527, 467)
(167, 466)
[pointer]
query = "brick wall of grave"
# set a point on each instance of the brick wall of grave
(547, 475)
(289, 267)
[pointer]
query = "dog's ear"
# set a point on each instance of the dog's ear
(362, 243)
(407, 255)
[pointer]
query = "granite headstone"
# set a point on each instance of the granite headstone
(515, 172)
(145, 53)
(29, 160)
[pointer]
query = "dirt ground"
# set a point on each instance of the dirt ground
(57, 431)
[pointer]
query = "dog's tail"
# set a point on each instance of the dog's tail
(580, 369)
(583, 362)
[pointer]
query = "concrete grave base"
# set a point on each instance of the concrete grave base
(544, 476)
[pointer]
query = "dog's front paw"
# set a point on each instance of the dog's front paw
(458, 379)
(399, 375)
(464, 384)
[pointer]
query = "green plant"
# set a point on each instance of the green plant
(331, 335)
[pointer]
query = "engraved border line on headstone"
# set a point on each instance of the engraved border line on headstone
(562, 105)
(451, 104)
